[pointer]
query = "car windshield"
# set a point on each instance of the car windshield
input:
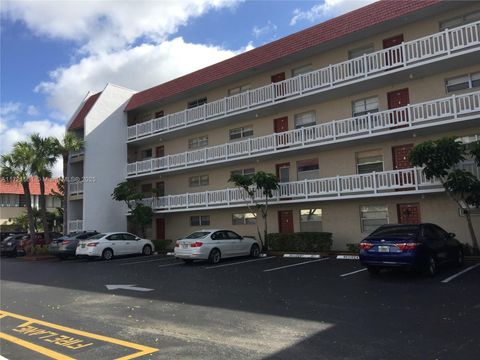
(98, 236)
(198, 235)
(397, 231)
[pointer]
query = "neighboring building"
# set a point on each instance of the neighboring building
(13, 201)
(333, 110)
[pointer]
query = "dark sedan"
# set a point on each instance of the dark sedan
(65, 246)
(421, 247)
(10, 246)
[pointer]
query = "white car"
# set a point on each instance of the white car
(108, 245)
(213, 245)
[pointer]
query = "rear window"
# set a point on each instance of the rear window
(400, 231)
(198, 235)
(98, 236)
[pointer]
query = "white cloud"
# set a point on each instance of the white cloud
(9, 108)
(21, 131)
(32, 110)
(258, 31)
(136, 68)
(327, 9)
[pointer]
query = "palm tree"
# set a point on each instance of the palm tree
(70, 142)
(16, 167)
(44, 158)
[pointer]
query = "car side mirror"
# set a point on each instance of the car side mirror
(137, 238)
(452, 235)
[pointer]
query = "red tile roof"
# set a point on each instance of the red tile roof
(79, 120)
(16, 188)
(335, 28)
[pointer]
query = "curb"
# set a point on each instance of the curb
(307, 256)
(36, 258)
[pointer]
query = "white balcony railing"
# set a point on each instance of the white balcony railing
(456, 107)
(436, 46)
(73, 155)
(75, 225)
(338, 187)
(75, 188)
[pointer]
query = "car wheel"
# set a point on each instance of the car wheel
(373, 270)
(187, 261)
(460, 258)
(254, 250)
(214, 257)
(430, 266)
(147, 250)
(107, 254)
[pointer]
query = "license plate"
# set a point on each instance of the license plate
(384, 249)
(184, 246)
(9, 244)
(83, 245)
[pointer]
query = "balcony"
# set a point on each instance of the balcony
(455, 108)
(75, 190)
(426, 50)
(76, 156)
(75, 225)
(376, 184)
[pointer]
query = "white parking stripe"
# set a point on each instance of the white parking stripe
(239, 262)
(353, 272)
(146, 261)
(298, 264)
(460, 273)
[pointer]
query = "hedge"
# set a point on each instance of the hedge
(301, 242)
(161, 246)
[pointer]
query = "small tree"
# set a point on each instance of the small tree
(439, 158)
(141, 214)
(264, 182)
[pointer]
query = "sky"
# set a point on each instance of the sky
(53, 52)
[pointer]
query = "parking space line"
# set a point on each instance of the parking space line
(353, 272)
(302, 263)
(146, 261)
(460, 273)
(239, 262)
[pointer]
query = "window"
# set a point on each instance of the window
(310, 220)
(197, 102)
(198, 142)
(241, 132)
(159, 114)
(146, 154)
(203, 220)
(200, 180)
(468, 81)
(238, 90)
(307, 169)
(365, 106)
(305, 119)
(9, 200)
(302, 70)
(244, 172)
(373, 216)
(22, 200)
(460, 20)
(244, 219)
(355, 53)
(369, 161)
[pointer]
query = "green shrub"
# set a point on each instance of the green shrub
(300, 242)
(161, 245)
(355, 248)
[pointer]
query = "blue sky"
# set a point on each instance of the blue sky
(54, 52)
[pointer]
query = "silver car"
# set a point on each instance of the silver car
(215, 244)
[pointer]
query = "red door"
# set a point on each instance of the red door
(285, 221)
(279, 89)
(393, 56)
(401, 160)
(160, 151)
(281, 125)
(397, 99)
(408, 213)
(160, 229)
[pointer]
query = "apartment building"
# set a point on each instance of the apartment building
(332, 110)
(13, 200)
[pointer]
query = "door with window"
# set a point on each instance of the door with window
(280, 125)
(160, 225)
(393, 56)
(401, 160)
(130, 244)
(396, 99)
(283, 176)
(285, 221)
(279, 89)
(408, 213)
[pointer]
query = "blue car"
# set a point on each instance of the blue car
(420, 247)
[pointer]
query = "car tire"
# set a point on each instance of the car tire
(255, 251)
(147, 250)
(460, 257)
(187, 261)
(373, 270)
(214, 257)
(107, 254)
(430, 266)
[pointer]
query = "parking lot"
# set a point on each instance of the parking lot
(261, 308)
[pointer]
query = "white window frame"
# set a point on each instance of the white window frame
(243, 132)
(239, 89)
(369, 158)
(247, 218)
(198, 180)
(243, 172)
(366, 209)
(202, 220)
(306, 174)
(304, 69)
(300, 120)
(198, 142)
(471, 80)
(360, 51)
(365, 105)
(197, 102)
(319, 218)
(459, 20)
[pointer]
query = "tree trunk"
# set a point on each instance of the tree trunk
(31, 224)
(65, 194)
(264, 215)
(472, 231)
(43, 209)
